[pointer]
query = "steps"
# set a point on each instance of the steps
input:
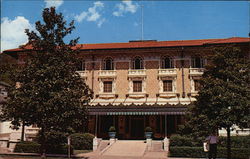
(126, 148)
(157, 146)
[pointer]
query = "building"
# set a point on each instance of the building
(142, 83)
(8, 136)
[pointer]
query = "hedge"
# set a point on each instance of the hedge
(177, 140)
(236, 141)
(82, 141)
(33, 147)
(58, 149)
(184, 151)
(27, 147)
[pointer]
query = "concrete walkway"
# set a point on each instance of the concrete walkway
(129, 149)
(126, 148)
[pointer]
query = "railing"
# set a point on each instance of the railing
(82, 74)
(167, 72)
(107, 73)
(141, 72)
(196, 71)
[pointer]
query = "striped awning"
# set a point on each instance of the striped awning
(137, 110)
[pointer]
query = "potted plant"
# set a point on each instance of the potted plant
(112, 132)
(148, 132)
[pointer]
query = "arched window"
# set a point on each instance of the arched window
(197, 62)
(137, 63)
(108, 64)
(81, 65)
(166, 62)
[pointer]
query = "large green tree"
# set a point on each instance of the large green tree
(224, 98)
(51, 94)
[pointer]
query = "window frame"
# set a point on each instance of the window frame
(136, 88)
(106, 86)
(163, 62)
(111, 67)
(167, 86)
(141, 63)
(81, 65)
(197, 62)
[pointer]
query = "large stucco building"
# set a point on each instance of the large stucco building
(142, 83)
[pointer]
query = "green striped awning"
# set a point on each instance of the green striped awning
(137, 110)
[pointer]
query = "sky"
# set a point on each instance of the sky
(121, 21)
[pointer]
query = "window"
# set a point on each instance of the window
(197, 62)
(107, 86)
(138, 63)
(137, 86)
(197, 85)
(167, 86)
(166, 63)
(81, 65)
(108, 64)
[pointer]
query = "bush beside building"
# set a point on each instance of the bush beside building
(181, 146)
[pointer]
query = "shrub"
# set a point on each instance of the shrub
(56, 142)
(148, 129)
(82, 141)
(27, 147)
(187, 152)
(112, 129)
(177, 140)
(237, 153)
(58, 149)
(236, 141)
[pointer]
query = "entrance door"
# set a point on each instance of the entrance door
(137, 128)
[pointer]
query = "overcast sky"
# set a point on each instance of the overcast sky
(120, 21)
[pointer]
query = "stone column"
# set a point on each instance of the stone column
(166, 144)
(149, 144)
(112, 140)
(95, 143)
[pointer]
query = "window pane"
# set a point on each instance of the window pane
(137, 63)
(137, 86)
(107, 86)
(108, 64)
(167, 63)
(81, 66)
(167, 86)
(197, 62)
(196, 85)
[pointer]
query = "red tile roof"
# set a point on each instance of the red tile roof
(150, 43)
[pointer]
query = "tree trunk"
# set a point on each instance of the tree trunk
(228, 143)
(22, 133)
(43, 142)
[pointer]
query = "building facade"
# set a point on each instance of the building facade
(142, 83)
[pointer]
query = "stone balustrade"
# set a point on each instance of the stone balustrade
(196, 71)
(135, 73)
(167, 72)
(107, 73)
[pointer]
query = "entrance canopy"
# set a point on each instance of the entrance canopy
(137, 109)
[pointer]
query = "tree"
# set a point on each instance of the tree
(51, 94)
(224, 97)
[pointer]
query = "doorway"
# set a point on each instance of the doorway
(137, 127)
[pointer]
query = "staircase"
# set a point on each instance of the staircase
(126, 148)
(131, 149)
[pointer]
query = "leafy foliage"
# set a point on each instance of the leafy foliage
(148, 129)
(197, 152)
(112, 129)
(224, 97)
(51, 94)
(27, 147)
(82, 141)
